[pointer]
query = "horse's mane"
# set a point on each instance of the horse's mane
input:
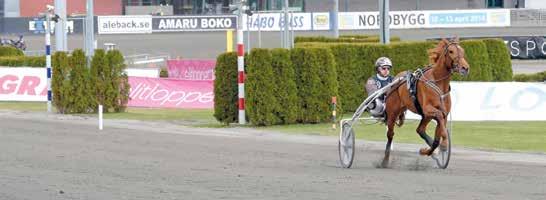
(434, 53)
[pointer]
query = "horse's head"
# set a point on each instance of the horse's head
(452, 54)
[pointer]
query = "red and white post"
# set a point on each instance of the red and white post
(241, 65)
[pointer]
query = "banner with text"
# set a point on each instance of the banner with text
(469, 18)
(526, 47)
(191, 69)
(193, 23)
(170, 93)
(426, 19)
(502, 101)
(124, 24)
(370, 20)
(23, 84)
(274, 22)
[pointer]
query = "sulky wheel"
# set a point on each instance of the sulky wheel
(443, 155)
(346, 145)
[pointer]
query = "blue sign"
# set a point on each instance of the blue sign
(458, 18)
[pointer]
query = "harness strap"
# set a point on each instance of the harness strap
(438, 91)
(418, 76)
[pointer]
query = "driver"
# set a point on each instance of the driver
(381, 79)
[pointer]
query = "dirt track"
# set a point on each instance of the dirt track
(62, 157)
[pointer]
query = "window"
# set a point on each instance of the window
(495, 3)
(278, 4)
(1, 8)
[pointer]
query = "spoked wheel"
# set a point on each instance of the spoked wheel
(443, 155)
(346, 145)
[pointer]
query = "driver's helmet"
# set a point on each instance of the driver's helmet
(383, 61)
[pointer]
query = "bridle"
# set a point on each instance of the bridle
(455, 62)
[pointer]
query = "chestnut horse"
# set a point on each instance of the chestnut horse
(432, 95)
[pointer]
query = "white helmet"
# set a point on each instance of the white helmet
(383, 61)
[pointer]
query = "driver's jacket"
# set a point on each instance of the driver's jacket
(375, 83)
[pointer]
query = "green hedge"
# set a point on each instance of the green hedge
(354, 64)
(84, 100)
(79, 89)
(406, 56)
(537, 77)
(270, 88)
(260, 87)
(316, 80)
(225, 88)
(60, 82)
(477, 57)
(23, 61)
(119, 81)
(281, 86)
(286, 91)
(10, 51)
(499, 58)
(13, 57)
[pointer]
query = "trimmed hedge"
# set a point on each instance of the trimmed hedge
(60, 82)
(10, 51)
(286, 91)
(405, 56)
(477, 57)
(281, 86)
(499, 58)
(537, 77)
(272, 95)
(79, 89)
(118, 96)
(81, 86)
(356, 63)
(23, 61)
(225, 88)
(353, 65)
(316, 80)
(260, 87)
(99, 66)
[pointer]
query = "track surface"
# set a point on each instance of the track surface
(65, 157)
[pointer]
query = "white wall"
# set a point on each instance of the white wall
(150, 73)
(11, 8)
(535, 4)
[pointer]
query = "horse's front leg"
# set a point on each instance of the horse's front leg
(444, 142)
(439, 117)
(422, 130)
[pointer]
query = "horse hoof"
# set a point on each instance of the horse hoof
(443, 146)
(423, 151)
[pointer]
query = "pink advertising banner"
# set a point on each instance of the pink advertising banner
(170, 93)
(191, 69)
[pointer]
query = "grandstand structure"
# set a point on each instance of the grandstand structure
(16, 8)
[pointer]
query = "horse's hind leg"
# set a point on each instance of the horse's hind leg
(422, 128)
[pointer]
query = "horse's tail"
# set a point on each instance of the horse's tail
(401, 119)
